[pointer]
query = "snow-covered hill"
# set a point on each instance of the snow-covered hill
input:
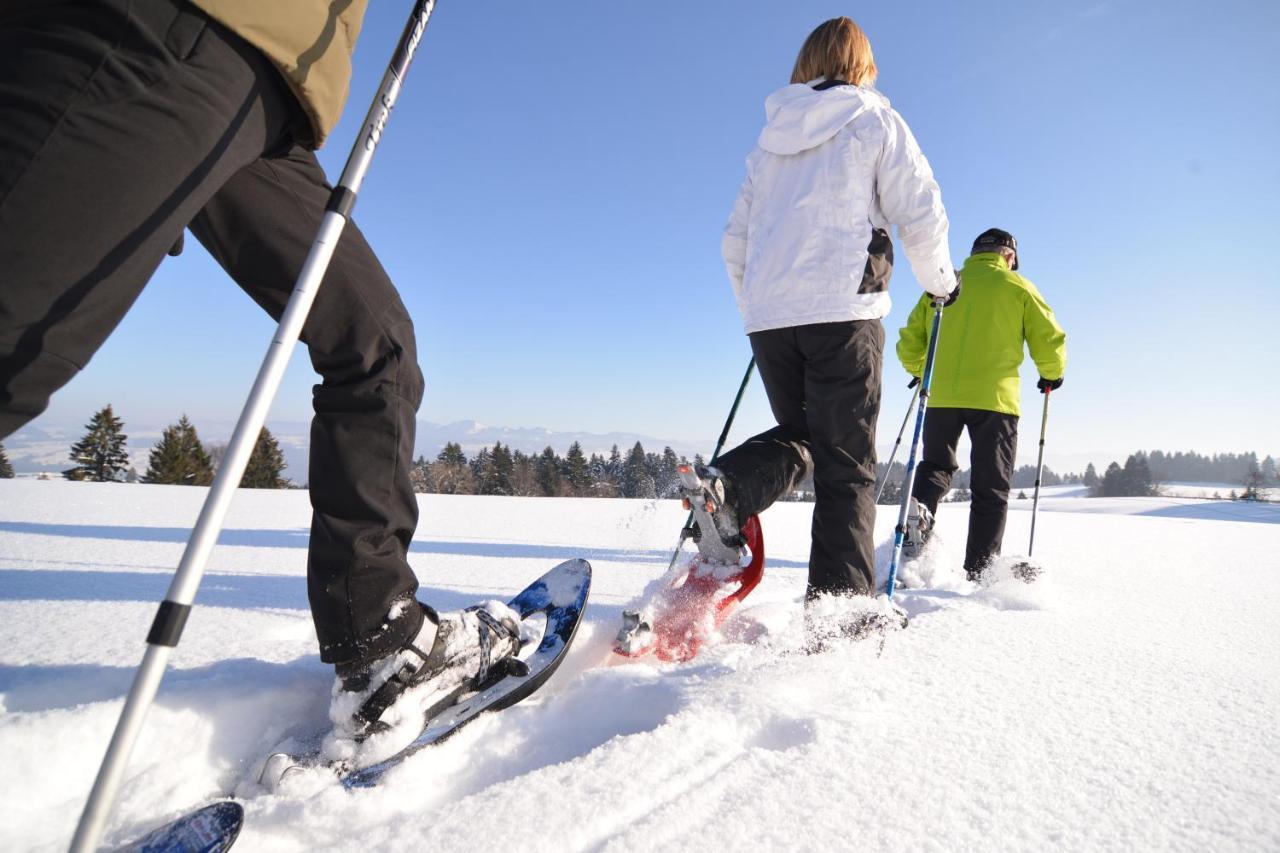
(1128, 702)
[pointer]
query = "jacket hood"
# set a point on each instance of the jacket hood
(799, 117)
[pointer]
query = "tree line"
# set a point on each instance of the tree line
(179, 458)
(1142, 474)
(500, 470)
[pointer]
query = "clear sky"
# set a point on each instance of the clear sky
(550, 193)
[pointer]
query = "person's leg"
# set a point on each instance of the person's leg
(994, 436)
(770, 465)
(842, 401)
(117, 121)
(260, 227)
(938, 463)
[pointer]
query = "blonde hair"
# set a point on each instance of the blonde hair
(838, 50)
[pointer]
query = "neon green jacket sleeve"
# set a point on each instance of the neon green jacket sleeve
(913, 338)
(1045, 338)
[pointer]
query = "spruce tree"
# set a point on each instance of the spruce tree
(525, 478)
(451, 473)
(1112, 483)
(266, 465)
(668, 480)
(636, 481)
(179, 459)
(576, 473)
(496, 470)
(100, 456)
(420, 475)
(548, 473)
(6, 469)
(1090, 476)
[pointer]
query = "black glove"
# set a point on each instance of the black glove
(955, 294)
(1047, 385)
(915, 380)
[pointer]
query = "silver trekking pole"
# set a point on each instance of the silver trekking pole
(902, 429)
(172, 614)
(1044, 421)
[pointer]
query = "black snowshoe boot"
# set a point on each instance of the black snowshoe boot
(454, 653)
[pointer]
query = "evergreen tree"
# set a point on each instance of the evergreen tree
(1090, 476)
(667, 480)
(1137, 477)
(613, 469)
(636, 481)
(6, 469)
(548, 473)
(525, 477)
(1269, 475)
(497, 467)
(179, 458)
(420, 476)
(602, 485)
(577, 475)
(451, 474)
(1254, 483)
(100, 456)
(1111, 483)
(452, 454)
(266, 464)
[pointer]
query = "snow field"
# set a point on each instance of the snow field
(1127, 702)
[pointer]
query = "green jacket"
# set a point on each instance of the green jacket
(980, 341)
(310, 41)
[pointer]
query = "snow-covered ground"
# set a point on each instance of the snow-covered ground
(1130, 701)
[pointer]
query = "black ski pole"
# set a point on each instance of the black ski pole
(167, 627)
(896, 444)
(908, 482)
(1044, 422)
(687, 530)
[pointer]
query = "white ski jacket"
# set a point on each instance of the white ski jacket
(828, 167)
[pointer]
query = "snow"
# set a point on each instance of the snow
(1129, 701)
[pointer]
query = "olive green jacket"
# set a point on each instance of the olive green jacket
(310, 41)
(980, 340)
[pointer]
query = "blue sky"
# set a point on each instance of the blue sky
(550, 193)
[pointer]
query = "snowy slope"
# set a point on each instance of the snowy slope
(1130, 702)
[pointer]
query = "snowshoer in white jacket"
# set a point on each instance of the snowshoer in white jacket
(808, 252)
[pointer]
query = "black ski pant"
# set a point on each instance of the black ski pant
(823, 383)
(993, 437)
(121, 123)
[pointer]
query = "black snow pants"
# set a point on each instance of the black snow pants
(823, 382)
(121, 124)
(993, 437)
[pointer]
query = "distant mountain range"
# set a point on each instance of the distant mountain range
(44, 448)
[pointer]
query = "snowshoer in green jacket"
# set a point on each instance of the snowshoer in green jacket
(975, 386)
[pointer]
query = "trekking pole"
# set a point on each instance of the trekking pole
(894, 452)
(1044, 420)
(687, 530)
(172, 614)
(899, 532)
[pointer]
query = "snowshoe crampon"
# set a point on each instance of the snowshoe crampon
(694, 603)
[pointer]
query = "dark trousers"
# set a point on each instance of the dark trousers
(994, 440)
(122, 123)
(823, 382)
